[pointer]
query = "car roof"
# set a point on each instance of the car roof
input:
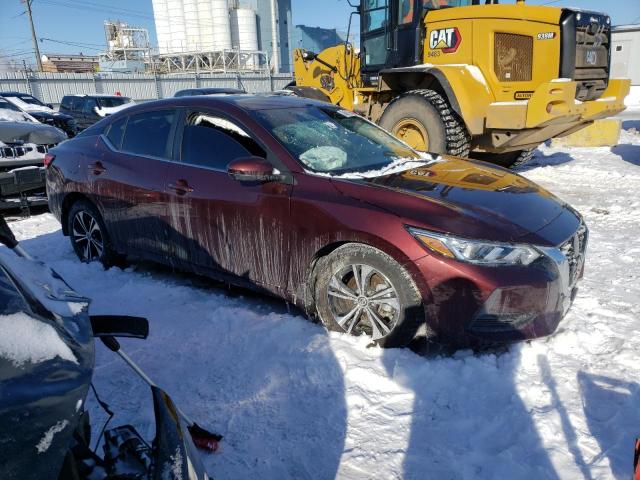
(246, 102)
(95, 95)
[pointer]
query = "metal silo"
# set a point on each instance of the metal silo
(221, 25)
(161, 17)
(192, 27)
(244, 29)
(177, 26)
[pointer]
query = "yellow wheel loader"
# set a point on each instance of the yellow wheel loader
(453, 76)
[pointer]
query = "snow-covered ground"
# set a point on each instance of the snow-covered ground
(295, 402)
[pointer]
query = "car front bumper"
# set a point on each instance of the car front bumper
(470, 305)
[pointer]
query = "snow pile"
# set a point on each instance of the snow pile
(27, 340)
(295, 402)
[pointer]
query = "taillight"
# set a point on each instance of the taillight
(48, 159)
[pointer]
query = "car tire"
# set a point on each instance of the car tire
(425, 116)
(89, 237)
(391, 319)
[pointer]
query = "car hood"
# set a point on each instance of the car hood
(44, 114)
(28, 132)
(467, 198)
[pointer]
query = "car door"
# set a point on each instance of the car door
(128, 178)
(220, 224)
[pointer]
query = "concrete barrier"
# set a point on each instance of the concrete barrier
(602, 133)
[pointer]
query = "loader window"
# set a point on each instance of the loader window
(405, 12)
(437, 4)
(375, 15)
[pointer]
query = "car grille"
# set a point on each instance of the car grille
(574, 251)
(18, 151)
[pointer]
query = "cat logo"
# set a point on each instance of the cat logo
(446, 39)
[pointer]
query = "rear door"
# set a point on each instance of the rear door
(128, 178)
(220, 224)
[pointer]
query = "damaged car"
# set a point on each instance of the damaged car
(24, 143)
(314, 204)
(42, 112)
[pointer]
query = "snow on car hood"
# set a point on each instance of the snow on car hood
(13, 116)
(27, 132)
(462, 197)
(104, 111)
(27, 340)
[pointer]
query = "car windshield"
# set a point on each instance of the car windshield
(327, 140)
(5, 105)
(109, 102)
(30, 100)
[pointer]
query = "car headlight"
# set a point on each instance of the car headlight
(479, 252)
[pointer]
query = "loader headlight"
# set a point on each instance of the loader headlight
(478, 252)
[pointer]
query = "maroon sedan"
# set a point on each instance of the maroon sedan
(314, 204)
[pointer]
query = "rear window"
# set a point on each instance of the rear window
(116, 132)
(148, 133)
(110, 102)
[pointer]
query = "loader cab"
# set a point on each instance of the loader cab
(392, 32)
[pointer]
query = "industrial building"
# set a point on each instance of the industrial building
(315, 39)
(223, 34)
(625, 40)
(69, 63)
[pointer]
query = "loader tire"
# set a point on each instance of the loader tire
(508, 159)
(425, 120)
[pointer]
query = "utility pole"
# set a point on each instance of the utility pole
(33, 34)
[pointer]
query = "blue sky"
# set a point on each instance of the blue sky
(80, 22)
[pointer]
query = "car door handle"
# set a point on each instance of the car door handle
(181, 187)
(97, 168)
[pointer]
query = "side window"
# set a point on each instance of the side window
(77, 103)
(405, 12)
(116, 132)
(89, 105)
(211, 141)
(148, 133)
(66, 103)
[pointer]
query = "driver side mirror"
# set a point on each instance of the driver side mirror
(253, 169)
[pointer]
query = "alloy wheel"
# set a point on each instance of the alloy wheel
(363, 301)
(87, 236)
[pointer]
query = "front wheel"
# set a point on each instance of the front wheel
(425, 121)
(88, 235)
(360, 290)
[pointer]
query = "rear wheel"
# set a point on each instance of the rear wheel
(88, 235)
(426, 122)
(360, 290)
